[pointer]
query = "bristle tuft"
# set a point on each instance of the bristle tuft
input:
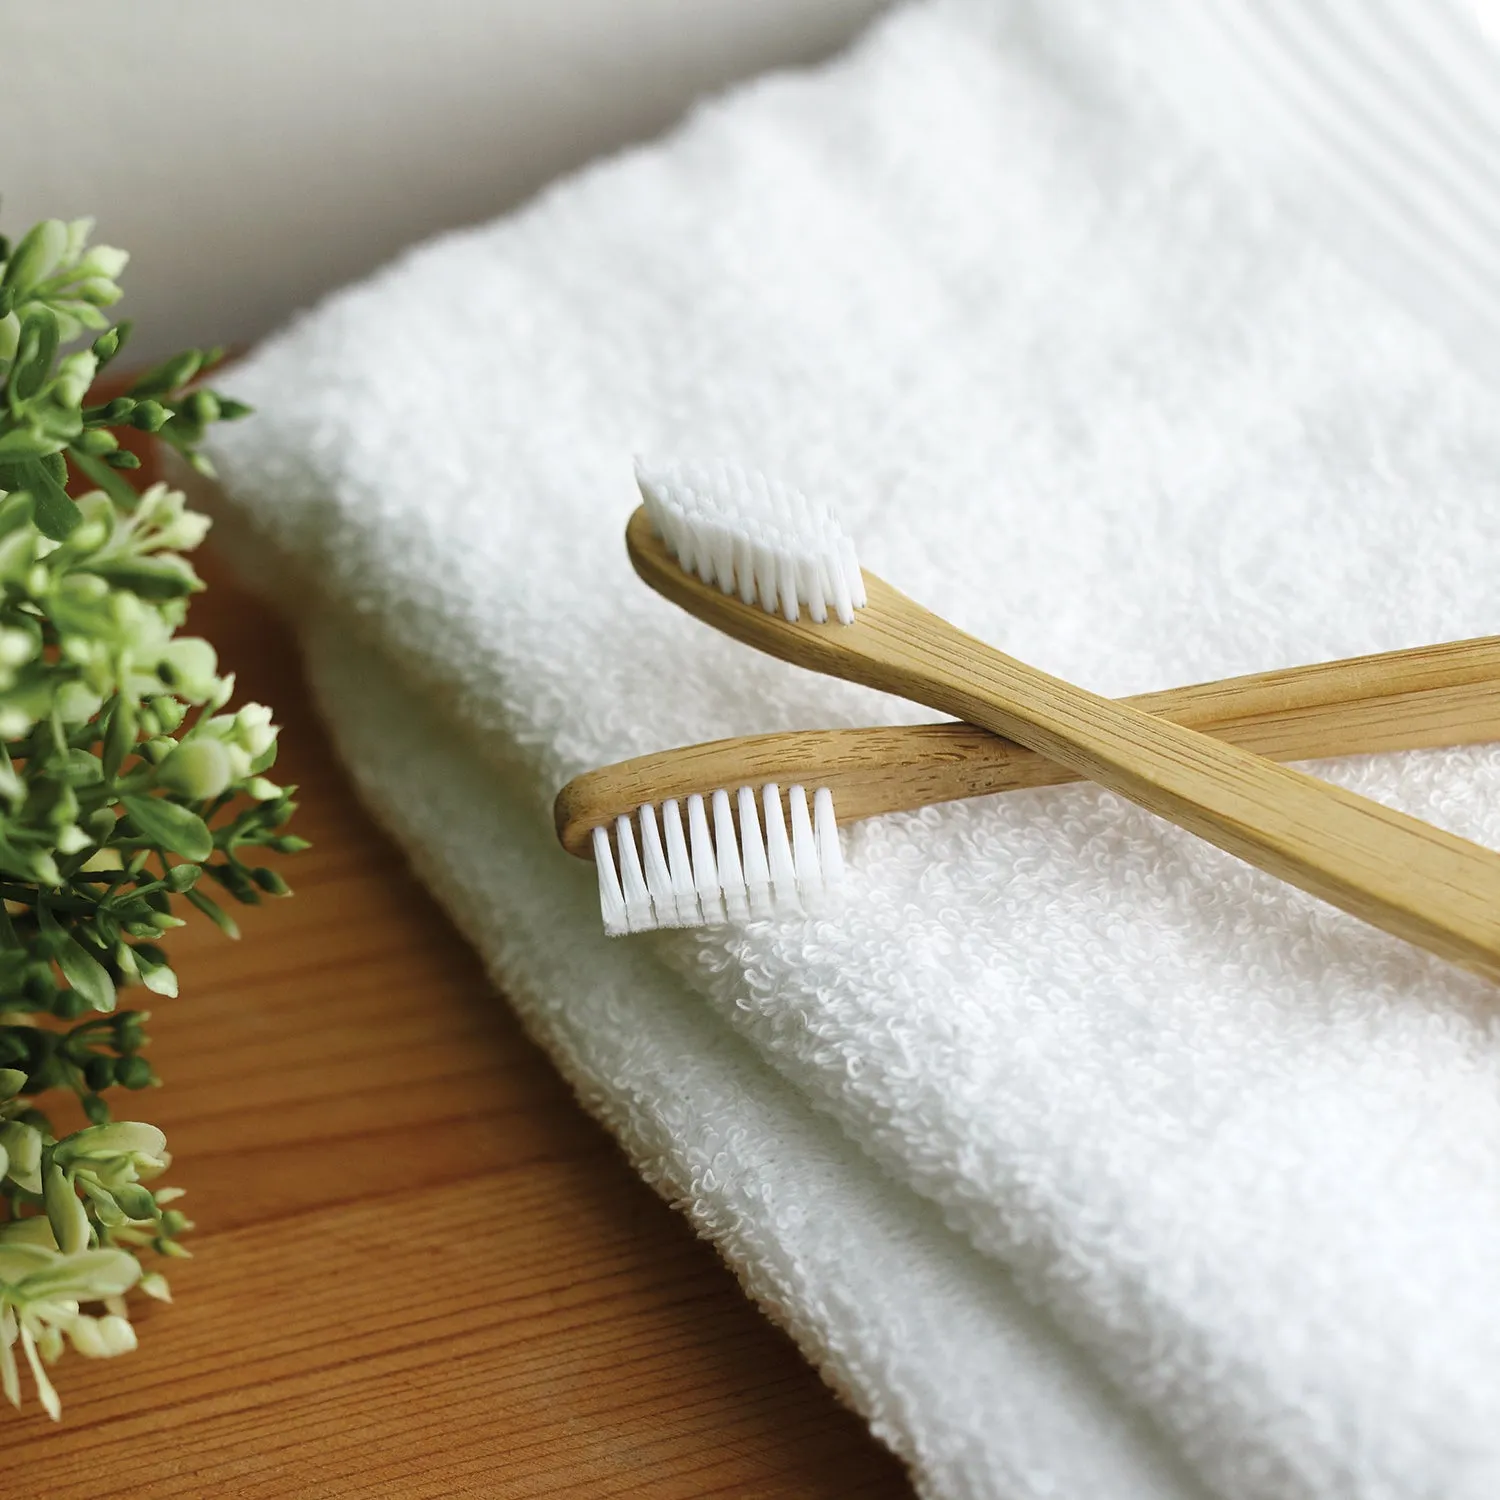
(740, 531)
(719, 867)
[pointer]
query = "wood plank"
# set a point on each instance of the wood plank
(419, 1269)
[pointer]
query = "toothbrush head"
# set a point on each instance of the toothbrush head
(753, 536)
(654, 873)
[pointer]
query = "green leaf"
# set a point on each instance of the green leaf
(41, 247)
(56, 515)
(13, 862)
(26, 442)
(80, 968)
(106, 478)
(65, 1211)
(169, 375)
(159, 980)
(35, 352)
(176, 829)
(87, 975)
(214, 912)
(136, 1201)
(78, 768)
(148, 577)
(119, 738)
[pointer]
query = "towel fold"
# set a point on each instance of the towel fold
(1152, 1176)
(932, 1342)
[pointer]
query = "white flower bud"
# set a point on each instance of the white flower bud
(186, 532)
(33, 1231)
(16, 646)
(14, 722)
(23, 1146)
(65, 1211)
(76, 704)
(105, 261)
(71, 839)
(97, 292)
(76, 234)
(41, 249)
(254, 729)
(154, 1284)
(192, 664)
(17, 553)
(87, 1339)
(118, 1335)
(75, 374)
(197, 768)
(149, 503)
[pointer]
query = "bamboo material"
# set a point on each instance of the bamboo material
(1416, 881)
(1399, 700)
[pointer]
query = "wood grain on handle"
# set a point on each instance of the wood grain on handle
(1416, 881)
(900, 767)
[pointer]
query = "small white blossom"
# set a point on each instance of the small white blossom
(41, 1290)
(21, 1154)
(192, 663)
(254, 728)
(103, 260)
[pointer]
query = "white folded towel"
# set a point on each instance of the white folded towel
(1085, 1159)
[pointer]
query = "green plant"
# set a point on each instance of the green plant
(123, 784)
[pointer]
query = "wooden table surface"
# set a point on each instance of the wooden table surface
(419, 1268)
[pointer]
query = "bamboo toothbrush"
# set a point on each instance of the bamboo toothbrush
(1398, 700)
(732, 548)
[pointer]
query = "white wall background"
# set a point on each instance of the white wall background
(252, 154)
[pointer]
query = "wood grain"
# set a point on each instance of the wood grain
(419, 1269)
(1398, 700)
(1396, 872)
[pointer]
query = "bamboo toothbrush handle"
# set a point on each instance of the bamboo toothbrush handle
(1399, 700)
(1416, 881)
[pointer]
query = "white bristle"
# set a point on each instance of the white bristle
(681, 866)
(637, 894)
(805, 850)
(705, 866)
(826, 830)
(654, 873)
(658, 876)
(779, 851)
(727, 857)
(611, 898)
(738, 530)
(753, 851)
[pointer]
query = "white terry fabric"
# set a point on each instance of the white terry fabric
(921, 1334)
(1379, 120)
(1073, 379)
